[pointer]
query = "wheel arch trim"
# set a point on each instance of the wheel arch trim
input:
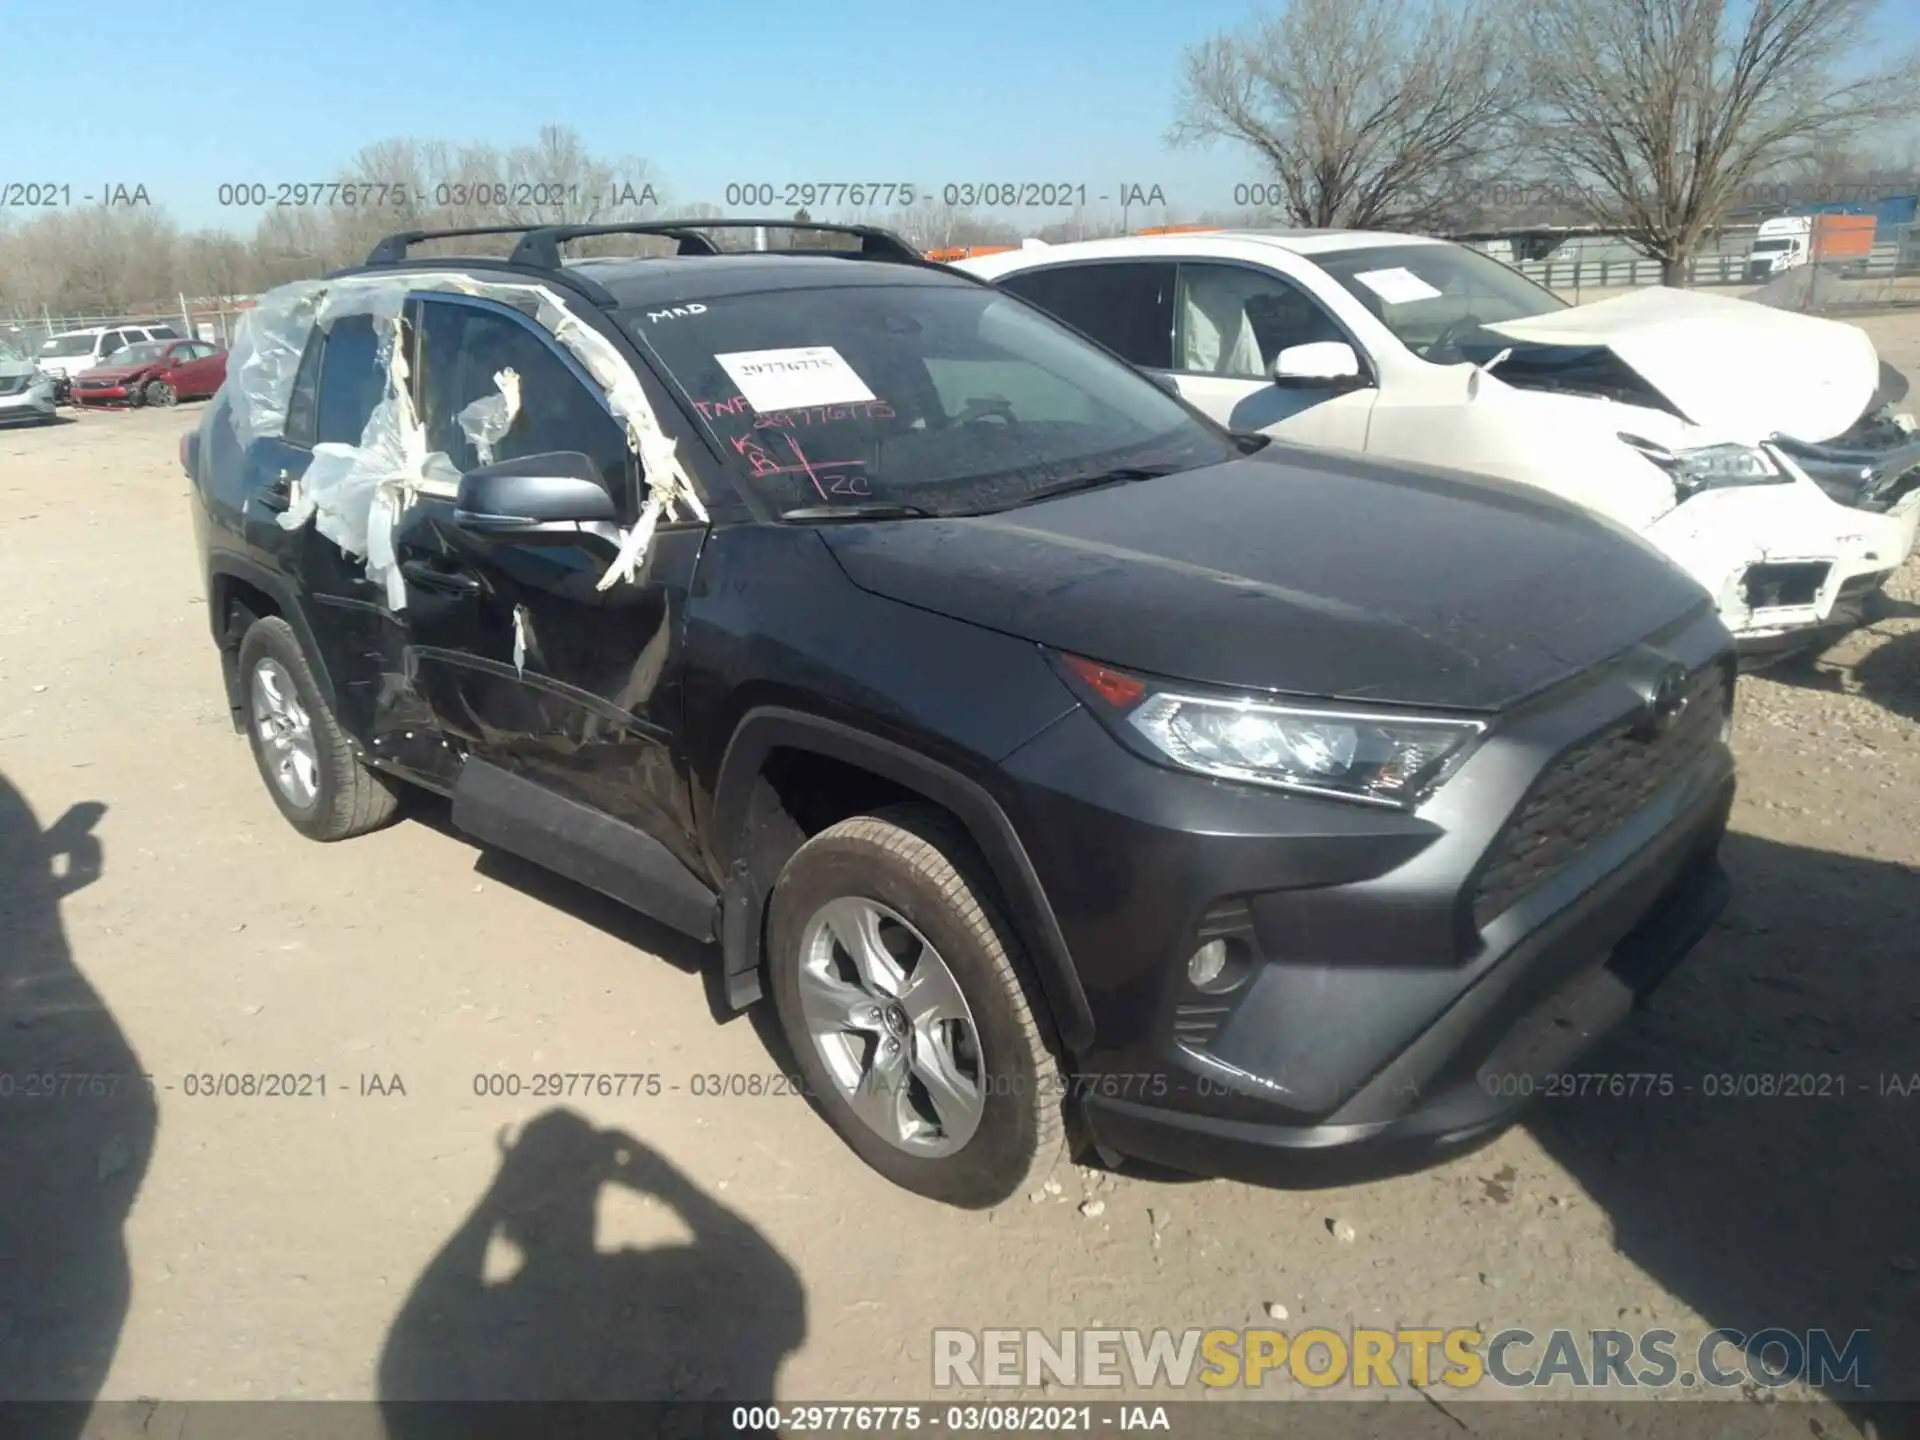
(768, 728)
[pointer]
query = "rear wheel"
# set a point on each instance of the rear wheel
(898, 987)
(306, 760)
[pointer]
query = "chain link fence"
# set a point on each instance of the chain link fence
(1888, 274)
(215, 322)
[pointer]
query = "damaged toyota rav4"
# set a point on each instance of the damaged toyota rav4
(1066, 770)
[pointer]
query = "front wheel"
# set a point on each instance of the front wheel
(898, 987)
(159, 392)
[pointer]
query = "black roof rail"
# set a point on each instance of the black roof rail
(540, 248)
(393, 249)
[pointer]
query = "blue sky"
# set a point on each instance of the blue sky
(181, 97)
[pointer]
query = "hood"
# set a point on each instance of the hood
(1747, 370)
(1301, 571)
(14, 369)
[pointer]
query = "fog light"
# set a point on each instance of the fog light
(1208, 964)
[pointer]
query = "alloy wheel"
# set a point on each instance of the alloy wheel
(892, 1025)
(286, 734)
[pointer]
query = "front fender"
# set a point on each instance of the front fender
(768, 728)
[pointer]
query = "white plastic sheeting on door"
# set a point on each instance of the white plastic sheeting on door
(356, 494)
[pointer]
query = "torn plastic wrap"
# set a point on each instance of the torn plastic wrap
(487, 420)
(668, 484)
(355, 495)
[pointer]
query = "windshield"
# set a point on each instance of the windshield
(143, 353)
(1771, 247)
(953, 399)
(7, 351)
(1434, 297)
(64, 345)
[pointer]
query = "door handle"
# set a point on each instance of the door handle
(443, 582)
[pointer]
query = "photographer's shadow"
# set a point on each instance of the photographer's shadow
(77, 1126)
(707, 1320)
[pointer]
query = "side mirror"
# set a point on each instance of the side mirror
(1329, 363)
(553, 499)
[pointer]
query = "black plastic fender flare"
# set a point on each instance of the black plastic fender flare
(765, 729)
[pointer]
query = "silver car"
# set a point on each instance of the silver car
(26, 391)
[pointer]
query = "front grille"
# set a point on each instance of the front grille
(14, 384)
(1588, 791)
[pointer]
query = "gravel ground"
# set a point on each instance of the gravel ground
(159, 918)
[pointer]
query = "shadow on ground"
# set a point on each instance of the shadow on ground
(521, 1304)
(646, 935)
(77, 1124)
(1890, 676)
(1800, 1209)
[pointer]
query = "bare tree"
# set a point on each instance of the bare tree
(1659, 113)
(1367, 113)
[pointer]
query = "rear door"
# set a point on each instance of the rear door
(521, 656)
(1125, 305)
(196, 370)
(342, 376)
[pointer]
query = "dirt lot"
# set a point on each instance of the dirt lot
(158, 917)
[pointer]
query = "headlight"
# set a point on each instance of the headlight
(1711, 467)
(1381, 758)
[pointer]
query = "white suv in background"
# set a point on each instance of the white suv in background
(74, 352)
(1756, 447)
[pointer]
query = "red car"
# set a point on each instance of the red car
(154, 372)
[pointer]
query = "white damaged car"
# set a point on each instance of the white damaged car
(1761, 449)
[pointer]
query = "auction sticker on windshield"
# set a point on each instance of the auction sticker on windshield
(1398, 286)
(794, 379)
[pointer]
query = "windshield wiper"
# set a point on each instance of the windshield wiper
(872, 510)
(1117, 475)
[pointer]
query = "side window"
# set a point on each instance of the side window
(462, 348)
(303, 403)
(1236, 321)
(1126, 306)
(352, 381)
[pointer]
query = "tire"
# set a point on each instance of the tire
(917, 864)
(336, 797)
(159, 392)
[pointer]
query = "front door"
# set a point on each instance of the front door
(518, 652)
(1233, 320)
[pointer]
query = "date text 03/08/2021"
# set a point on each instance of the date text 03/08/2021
(988, 1419)
(960, 194)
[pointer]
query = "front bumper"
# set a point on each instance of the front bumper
(94, 393)
(1383, 981)
(27, 406)
(1789, 565)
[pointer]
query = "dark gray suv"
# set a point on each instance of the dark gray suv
(1054, 760)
